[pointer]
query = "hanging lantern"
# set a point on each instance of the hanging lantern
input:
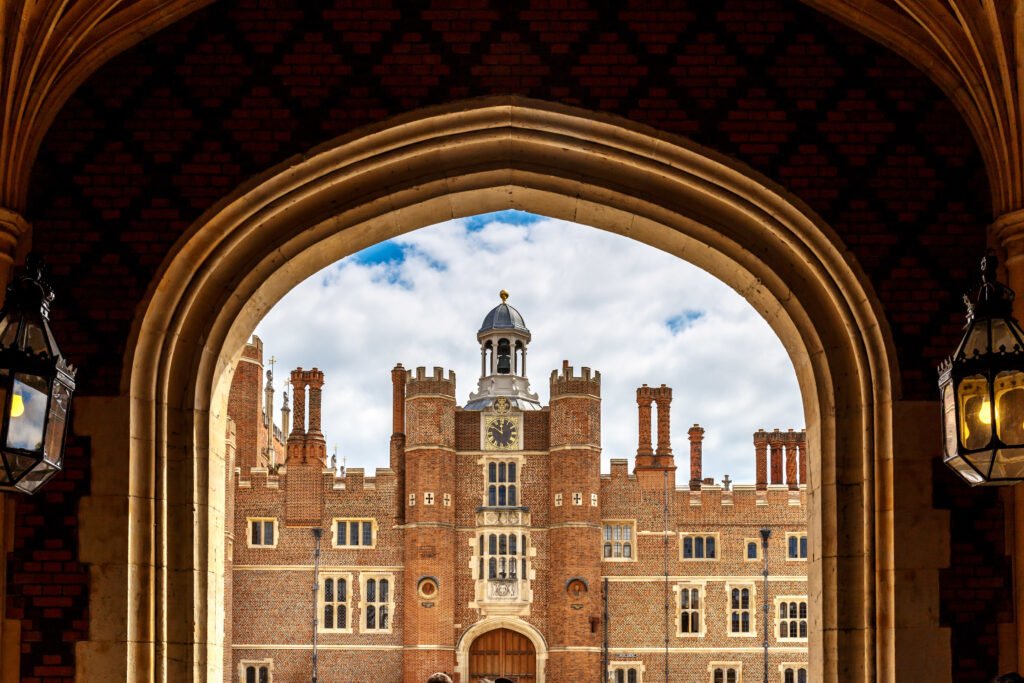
(36, 385)
(982, 389)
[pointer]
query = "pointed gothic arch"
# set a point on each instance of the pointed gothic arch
(463, 159)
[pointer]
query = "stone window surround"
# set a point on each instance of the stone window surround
(790, 598)
(798, 535)
(705, 535)
(757, 544)
(753, 609)
(632, 541)
(502, 457)
(321, 602)
(738, 666)
(390, 604)
(248, 533)
(626, 665)
(269, 663)
(676, 589)
(360, 546)
(795, 666)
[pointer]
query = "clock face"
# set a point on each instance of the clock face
(502, 433)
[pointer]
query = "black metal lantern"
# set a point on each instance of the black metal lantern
(36, 385)
(982, 389)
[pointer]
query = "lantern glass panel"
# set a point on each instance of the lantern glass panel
(975, 412)
(28, 412)
(37, 477)
(55, 425)
(1010, 407)
(1008, 464)
(35, 336)
(949, 421)
(982, 461)
(969, 475)
(9, 331)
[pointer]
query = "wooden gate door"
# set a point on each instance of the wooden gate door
(503, 654)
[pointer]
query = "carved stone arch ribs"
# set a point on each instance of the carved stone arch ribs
(425, 167)
(47, 49)
(974, 51)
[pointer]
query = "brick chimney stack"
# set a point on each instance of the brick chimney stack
(651, 465)
(298, 406)
(761, 453)
(792, 449)
(397, 460)
(775, 443)
(644, 400)
(663, 397)
(696, 456)
(315, 381)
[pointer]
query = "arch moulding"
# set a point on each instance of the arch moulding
(489, 624)
(458, 160)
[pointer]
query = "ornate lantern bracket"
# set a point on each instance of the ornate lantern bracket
(982, 388)
(36, 385)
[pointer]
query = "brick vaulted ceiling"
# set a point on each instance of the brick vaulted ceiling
(973, 49)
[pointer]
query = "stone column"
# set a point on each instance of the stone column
(1008, 231)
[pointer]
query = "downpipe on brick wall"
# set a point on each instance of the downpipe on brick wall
(316, 590)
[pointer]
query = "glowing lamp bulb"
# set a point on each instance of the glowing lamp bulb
(985, 414)
(17, 406)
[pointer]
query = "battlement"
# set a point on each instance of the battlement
(418, 382)
(253, 349)
(314, 377)
(566, 381)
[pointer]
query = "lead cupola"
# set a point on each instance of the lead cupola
(503, 338)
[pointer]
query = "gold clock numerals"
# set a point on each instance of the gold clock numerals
(502, 433)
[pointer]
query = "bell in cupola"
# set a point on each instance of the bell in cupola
(504, 357)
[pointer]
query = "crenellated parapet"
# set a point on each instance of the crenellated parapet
(566, 382)
(419, 383)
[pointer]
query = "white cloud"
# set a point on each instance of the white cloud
(637, 314)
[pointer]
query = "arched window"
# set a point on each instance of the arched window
(256, 673)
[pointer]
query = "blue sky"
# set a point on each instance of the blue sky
(598, 299)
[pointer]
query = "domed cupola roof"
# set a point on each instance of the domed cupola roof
(504, 317)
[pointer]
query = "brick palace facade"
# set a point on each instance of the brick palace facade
(493, 547)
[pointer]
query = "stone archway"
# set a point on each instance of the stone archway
(500, 646)
(463, 159)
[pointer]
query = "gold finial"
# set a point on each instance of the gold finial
(504, 295)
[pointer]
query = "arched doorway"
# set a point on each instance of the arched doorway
(460, 160)
(503, 655)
